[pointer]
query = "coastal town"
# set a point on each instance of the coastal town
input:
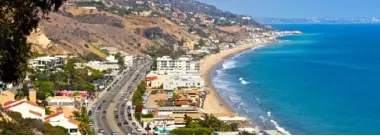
(150, 93)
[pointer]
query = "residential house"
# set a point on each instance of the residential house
(47, 62)
(129, 61)
(58, 119)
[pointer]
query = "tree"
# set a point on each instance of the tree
(54, 130)
(84, 120)
(48, 111)
(17, 19)
(76, 94)
(96, 74)
(188, 120)
(161, 103)
(45, 88)
(192, 131)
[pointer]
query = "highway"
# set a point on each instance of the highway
(110, 111)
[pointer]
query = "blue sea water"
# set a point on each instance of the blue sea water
(326, 81)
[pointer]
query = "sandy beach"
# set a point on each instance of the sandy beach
(213, 102)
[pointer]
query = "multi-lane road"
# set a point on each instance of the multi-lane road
(110, 114)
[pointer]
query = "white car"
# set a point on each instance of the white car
(138, 129)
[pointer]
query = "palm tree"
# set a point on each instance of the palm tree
(84, 120)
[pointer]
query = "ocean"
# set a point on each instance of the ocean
(326, 81)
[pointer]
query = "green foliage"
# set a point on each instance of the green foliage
(44, 89)
(17, 19)
(192, 131)
(96, 74)
(137, 95)
(76, 94)
(84, 120)
(48, 111)
(150, 115)
(54, 130)
(161, 103)
(210, 121)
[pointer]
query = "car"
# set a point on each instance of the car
(104, 112)
(89, 113)
(104, 101)
(90, 123)
(118, 124)
(144, 134)
(122, 113)
(116, 116)
(94, 107)
(138, 129)
(134, 132)
(129, 118)
(115, 109)
(103, 117)
(125, 122)
(134, 124)
(100, 107)
(113, 133)
(122, 105)
(101, 131)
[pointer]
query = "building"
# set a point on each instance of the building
(63, 101)
(129, 61)
(170, 110)
(26, 108)
(140, 2)
(47, 63)
(101, 66)
(183, 63)
(187, 80)
(58, 119)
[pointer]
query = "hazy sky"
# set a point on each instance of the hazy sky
(301, 8)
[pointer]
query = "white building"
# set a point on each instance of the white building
(26, 108)
(184, 63)
(128, 61)
(111, 59)
(183, 80)
(61, 101)
(41, 63)
(98, 65)
(58, 119)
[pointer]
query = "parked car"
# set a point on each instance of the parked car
(125, 122)
(118, 124)
(134, 124)
(116, 116)
(113, 133)
(138, 129)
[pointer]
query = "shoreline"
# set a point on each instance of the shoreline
(214, 103)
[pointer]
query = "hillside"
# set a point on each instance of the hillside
(170, 26)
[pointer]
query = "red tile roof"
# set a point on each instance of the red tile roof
(182, 102)
(35, 113)
(17, 104)
(53, 115)
(151, 78)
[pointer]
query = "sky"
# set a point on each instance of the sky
(301, 8)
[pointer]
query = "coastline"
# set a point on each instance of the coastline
(214, 103)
